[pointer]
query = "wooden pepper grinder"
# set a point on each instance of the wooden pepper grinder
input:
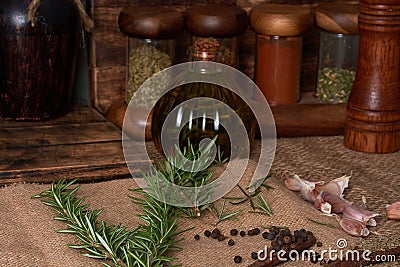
(373, 111)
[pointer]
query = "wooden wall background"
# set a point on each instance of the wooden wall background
(107, 54)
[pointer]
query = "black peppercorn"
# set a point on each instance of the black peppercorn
(216, 231)
(231, 242)
(196, 237)
(279, 242)
(234, 232)
(285, 247)
(319, 244)
(296, 233)
(254, 255)
(207, 233)
(287, 240)
(274, 229)
(271, 236)
(256, 231)
(285, 232)
(250, 233)
(265, 235)
(237, 259)
(221, 238)
(276, 248)
(242, 233)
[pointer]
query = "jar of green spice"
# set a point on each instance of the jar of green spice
(338, 52)
(151, 48)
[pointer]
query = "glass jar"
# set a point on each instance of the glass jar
(338, 51)
(279, 50)
(146, 57)
(151, 31)
(278, 67)
(228, 48)
(204, 120)
(221, 23)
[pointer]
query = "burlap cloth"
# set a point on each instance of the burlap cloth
(28, 238)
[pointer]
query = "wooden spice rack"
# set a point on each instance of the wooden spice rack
(107, 70)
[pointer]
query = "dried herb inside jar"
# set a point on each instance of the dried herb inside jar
(144, 61)
(334, 84)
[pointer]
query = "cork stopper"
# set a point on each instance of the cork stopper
(215, 21)
(338, 17)
(281, 20)
(153, 22)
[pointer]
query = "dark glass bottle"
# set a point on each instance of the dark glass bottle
(37, 63)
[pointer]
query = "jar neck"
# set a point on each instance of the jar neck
(201, 55)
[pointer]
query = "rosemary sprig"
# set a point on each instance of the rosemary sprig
(144, 246)
(260, 182)
(261, 207)
(320, 223)
(224, 214)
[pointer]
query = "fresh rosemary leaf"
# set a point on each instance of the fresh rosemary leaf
(223, 214)
(320, 223)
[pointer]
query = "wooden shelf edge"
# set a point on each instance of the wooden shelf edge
(294, 120)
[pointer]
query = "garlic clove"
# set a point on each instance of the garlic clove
(292, 184)
(338, 203)
(358, 213)
(307, 188)
(393, 211)
(336, 186)
(353, 227)
(322, 205)
(371, 222)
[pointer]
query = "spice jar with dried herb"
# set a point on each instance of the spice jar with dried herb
(151, 48)
(279, 31)
(220, 23)
(338, 52)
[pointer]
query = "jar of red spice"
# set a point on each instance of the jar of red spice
(279, 49)
(219, 23)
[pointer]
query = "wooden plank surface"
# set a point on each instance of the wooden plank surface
(68, 134)
(77, 115)
(82, 144)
